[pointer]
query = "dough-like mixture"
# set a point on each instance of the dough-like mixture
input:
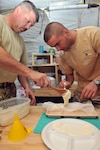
(73, 129)
(66, 96)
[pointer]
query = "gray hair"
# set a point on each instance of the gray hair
(31, 7)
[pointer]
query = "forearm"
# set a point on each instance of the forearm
(70, 78)
(98, 77)
(23, 81)
(28, 91)
(90, 90)
(9, 63)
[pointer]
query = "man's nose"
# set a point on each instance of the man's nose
(28, 26)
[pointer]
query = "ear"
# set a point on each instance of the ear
(18, 10)
(65, 32)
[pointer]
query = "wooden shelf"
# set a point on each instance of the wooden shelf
(48, 56)
(55, 64)
(46, 67)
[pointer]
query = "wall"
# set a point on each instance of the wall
(71, 18)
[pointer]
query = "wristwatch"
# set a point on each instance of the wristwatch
(97, 82)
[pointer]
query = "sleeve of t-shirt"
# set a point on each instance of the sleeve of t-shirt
(95, 39)
(64, 66)
(1, 27)
(24, 57)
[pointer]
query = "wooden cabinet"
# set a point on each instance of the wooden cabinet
(45, 63)
(41, 59)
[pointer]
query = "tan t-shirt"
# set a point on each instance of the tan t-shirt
(83, 56)
(12, 43)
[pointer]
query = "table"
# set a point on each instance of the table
(32, 141)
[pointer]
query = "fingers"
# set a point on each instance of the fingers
(33, 99)
(33, 102)
(30, 94)
(89, 91)
(65, 84)
(87, 94)
(44, 81)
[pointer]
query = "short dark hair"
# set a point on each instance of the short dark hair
(53, 28)
(31, 7)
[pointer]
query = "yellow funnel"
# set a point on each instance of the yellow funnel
(18, 132)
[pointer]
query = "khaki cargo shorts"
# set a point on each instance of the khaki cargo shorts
(7, 90)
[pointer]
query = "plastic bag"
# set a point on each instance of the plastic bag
(74, 106)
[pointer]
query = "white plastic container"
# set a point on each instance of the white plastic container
(21, 92)
(13, 106)
(53, 82)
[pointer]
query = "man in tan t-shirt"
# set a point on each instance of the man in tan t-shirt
(80, 52)
(13, 58)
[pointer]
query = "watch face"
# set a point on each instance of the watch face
(97, 82)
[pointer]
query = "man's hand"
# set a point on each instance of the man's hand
(40, 79)
(30, 94)
(65, 84)
(89, 91)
